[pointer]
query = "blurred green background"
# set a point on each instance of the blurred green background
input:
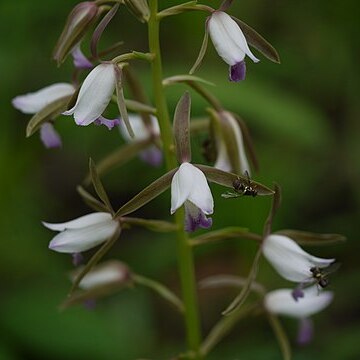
(303, 116)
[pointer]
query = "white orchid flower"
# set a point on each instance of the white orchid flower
(111, 272)
(281, 302)
(34, 102)
(189, 187)
(290, 260)
(223, 159)
(230, 44)
(83, 233)
(152, 155)
(95, 94)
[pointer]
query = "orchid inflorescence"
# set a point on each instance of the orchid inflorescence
(148, 133)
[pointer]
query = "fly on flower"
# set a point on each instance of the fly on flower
(321, 274)
(241, 188)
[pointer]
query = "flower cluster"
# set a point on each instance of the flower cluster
(148, 133)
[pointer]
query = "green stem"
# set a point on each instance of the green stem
(185, 256)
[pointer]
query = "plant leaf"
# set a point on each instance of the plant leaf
(98, 186)
(226, 179)
(223, 327)
(177, 9)
(121, 101)
(225, 233)
(119, 157)
(146, 195)
(91, 200)
(274, 207)
(154, 225)
(258, 42)
(240, 299)
(202, 51)
(185, 79)
(48, 113)
(100, 29)
(139, 107)
(309, 238)
(217, 281)
(159, 288)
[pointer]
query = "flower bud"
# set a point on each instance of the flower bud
(77, 24)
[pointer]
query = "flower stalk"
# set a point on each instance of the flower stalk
(185, 256)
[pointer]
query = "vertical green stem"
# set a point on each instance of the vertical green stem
(185, 256)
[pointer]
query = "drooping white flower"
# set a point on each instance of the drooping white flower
(290, 260)
(223, 160)
(83, 233)
(111, 272)
(281, 302)
(95, 94)
(32, 103)
(230, 43)
(189, 187)
(152, 155)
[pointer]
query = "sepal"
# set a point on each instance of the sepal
(181, 128)
(258, 42)
(77, 24)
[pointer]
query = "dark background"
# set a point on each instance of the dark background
(303, 115)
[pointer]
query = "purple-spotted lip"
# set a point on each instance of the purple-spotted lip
(237, 72)
(200, 220)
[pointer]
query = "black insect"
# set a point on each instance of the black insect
(242, 188)
(321, 274)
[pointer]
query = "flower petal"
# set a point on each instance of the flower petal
(83, 221)
(281, 302)
(200, 194)
(181, 185)
(110, 124)
(228, 39)
(237, 72)
(108, 273)
(95, 94)
(49, 136)
(79, 59)
(84, 238)
(290, 260)
(195, 218)
(140, 130)
(34, 102)
(152, 155)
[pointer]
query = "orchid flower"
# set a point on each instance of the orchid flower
(95, 94)
(152, 155)
(189, 187)
(281, 302)
(230, 44)
(34, 102)
(223, 158)
(83, 233)
(111, 272)
(290, 260)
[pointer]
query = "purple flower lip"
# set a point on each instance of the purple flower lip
(238, 72)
